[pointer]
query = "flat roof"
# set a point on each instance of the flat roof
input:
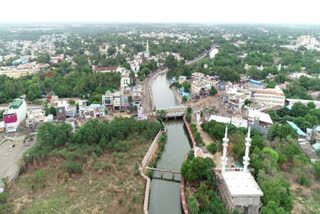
(240, 183)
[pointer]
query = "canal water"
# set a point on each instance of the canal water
(165, 195)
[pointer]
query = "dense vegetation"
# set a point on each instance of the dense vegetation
(197, 171)
(304, 116)
(94, 136)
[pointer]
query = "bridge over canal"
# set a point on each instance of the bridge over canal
(165, 174)
(173, 112)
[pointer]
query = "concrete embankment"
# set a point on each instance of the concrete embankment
(152, 151)
(194, 144)
(182, 194)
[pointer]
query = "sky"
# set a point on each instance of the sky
(211, 11)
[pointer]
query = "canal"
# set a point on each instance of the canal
(165, 195)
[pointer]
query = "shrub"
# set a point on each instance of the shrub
(212, 147)
(72, 167)
(136, 169)
(188, 117)
(149, 173)
(38, 180)
(3, 198)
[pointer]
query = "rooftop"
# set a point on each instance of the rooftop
(16, 104)
(240, 183)
(294, 126)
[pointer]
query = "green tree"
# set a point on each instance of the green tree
(160, 115)
(186, 86)
(272, 208)
(213, 91)
(298, 110)
(193, 205)
(271, 84)
(53, 111)
(111, 51)
(212, 147)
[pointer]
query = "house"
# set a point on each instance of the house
(35, 117)
(104, 69)
(107, 100)
(259, 120)
(136, 98)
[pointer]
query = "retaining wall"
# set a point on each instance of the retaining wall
(182, 193)
(151, 151)
(194, 144)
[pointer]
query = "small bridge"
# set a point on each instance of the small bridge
(165, 174)
(172, 111)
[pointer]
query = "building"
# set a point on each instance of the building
(237, 186)
(236, 98)
(14, 115)
(125, 79)
(107, 100)
(259, 121)
(269, 97)
(200, 82)
(35, 117)
(291, 102)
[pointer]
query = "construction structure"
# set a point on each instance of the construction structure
(237, 187)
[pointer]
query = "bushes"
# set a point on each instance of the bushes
(72, 167)
(38, 180)
(94, 136)
(3, 198)
(196, 134)
(212, 147)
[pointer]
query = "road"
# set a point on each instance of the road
(10, 158)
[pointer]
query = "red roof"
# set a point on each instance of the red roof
(105, 68)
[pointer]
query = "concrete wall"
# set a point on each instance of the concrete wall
(152, 151)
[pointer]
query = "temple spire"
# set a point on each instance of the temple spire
(246, 159)
(224, 158)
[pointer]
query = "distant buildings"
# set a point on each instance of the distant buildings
(307, 41)
(14, 115)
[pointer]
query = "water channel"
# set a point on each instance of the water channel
(165, 195)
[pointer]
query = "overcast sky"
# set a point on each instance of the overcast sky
(266, 11)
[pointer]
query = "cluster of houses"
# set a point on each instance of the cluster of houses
(200, 85)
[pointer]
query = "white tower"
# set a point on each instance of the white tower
(246, 158)
(224, 158)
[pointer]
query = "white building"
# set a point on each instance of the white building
(269, 97)
(125, 79)
(15, 114)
